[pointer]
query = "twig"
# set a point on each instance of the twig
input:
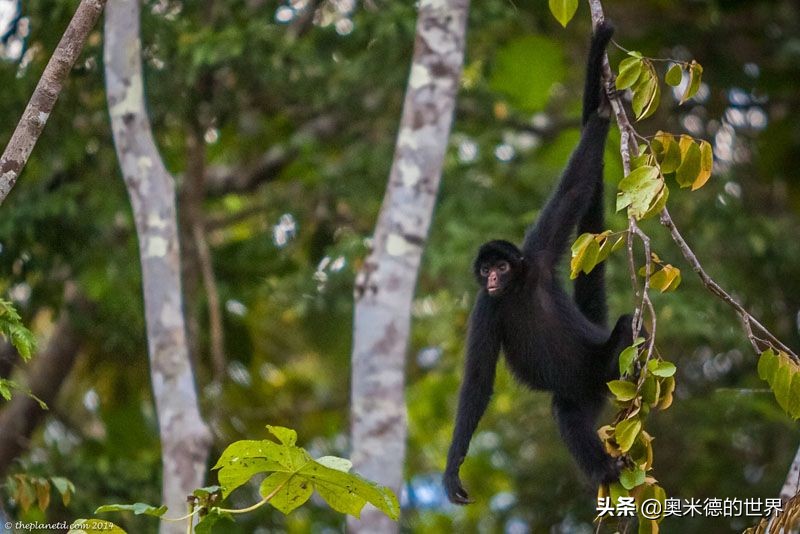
(715, 288)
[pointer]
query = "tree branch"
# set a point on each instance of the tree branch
(44, 97)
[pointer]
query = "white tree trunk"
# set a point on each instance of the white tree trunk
(185, 439)
(385, 285)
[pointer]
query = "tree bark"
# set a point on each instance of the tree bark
(385, 285)
(185, 438)
(44, 97)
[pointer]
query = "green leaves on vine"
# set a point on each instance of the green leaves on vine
(639, 74)
(783, 376)
(646, 383)
(591, 249)
(644, 191)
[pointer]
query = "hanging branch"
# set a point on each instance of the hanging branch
(628, 135)
(44, 97)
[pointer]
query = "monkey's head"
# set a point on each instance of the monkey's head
(498, 266)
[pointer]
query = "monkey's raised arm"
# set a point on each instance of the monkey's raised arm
(546, 241)
(593, 87)
(483, 347)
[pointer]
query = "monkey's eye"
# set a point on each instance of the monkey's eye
(503, 266)
(484, 270)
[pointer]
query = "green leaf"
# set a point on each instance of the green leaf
(695, 77)
(626, 432)
(14, 331)
(5, 388)
(667, 152)
(646, 93)
(767, 365)
(340, 485)
(334, 462)
(241, 460)
(626, 359)
(82, 526)
(526, 70)
(661, 368)
(689, 171)
(563, 10)
(781, 383)
(138, 508)
(630, 69)
(657, 204)
(794, 397)
(286, 436)
(208, 521)
(651, 390)
(623, 390)
(584, 255)
(287, 491)
(630, 478)
(674, 75)
(639, 190)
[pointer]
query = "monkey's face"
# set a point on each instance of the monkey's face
(498, 265)
(495, 276)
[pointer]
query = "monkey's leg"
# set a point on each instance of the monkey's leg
(577, 421)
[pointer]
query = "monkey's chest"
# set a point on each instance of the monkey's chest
(543, 343)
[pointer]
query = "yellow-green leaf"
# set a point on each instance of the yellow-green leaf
(706, 165)
(674, 75)
(781, 383)
(584, 255)
(767, 365)
(639, 190)
(668, 278)
(658, 203)
(629, 70)
(794, 397)
(695, 77)
(646, 92)
(287, 491)
(689, 171)
(661, 368)
(667, 389)
(563, 10)
(651, 390)
(630, 478)
(626, 432)
(622, 390)
(669, 152)
(626, 359)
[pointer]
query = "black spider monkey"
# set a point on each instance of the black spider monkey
(550, 341)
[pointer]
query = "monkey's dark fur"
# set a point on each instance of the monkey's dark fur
(550, 341)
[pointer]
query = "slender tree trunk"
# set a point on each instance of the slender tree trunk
(185, 439)
(385, 285)
(44, 97)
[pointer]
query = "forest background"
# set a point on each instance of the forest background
(291, 112)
